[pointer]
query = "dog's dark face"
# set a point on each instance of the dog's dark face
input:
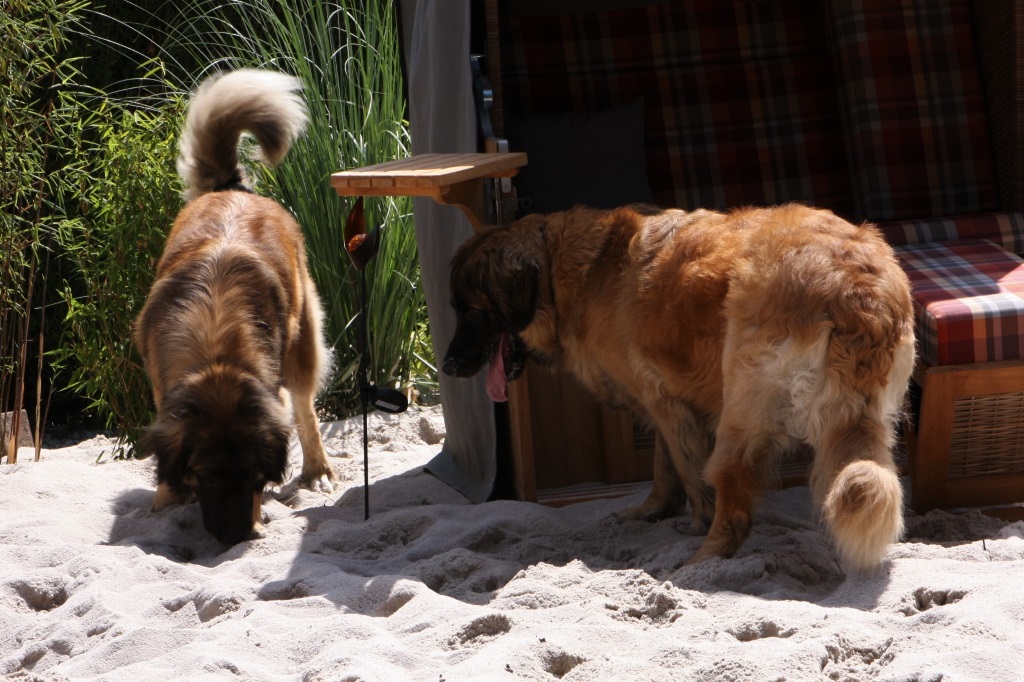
(222, 435)
(494, 282)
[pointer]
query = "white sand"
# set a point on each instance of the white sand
(95, 586)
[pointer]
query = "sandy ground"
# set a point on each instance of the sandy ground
(95, 586)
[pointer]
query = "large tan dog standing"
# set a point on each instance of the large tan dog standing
(230, 333)
(737, 335)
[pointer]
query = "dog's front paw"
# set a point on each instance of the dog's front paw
(321, 483)
(655, 508)
(641, 512)
(698, 526)
(166, 496)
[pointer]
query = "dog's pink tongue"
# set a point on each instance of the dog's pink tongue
(497, 378)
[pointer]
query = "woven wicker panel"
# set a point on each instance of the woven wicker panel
(643, 438)
(988, 436)
(796, 464)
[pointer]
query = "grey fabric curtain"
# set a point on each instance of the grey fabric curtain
(443, 119)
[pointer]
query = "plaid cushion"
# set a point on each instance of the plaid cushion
(740, 104)
(1005, 229)
(968, 300)
(914, 108)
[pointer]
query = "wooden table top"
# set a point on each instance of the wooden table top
(425, 174)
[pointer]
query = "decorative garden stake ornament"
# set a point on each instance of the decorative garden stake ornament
(361, 247)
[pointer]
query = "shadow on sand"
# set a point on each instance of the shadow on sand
(423, 531)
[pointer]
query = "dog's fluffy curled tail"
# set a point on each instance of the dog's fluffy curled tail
(864, 509)
(263, 103)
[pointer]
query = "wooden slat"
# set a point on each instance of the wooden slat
(1011, 513)
(449, 171)
(622, 463)
(437, 170)
(935, 426)
(366, 190)
(984, 490)
(523, 454)
(585, 492)
(424, 174)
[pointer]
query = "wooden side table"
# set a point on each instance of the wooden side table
(452, 179)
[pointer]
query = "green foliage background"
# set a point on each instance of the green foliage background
(346, 53)
(38, 115)
(126, 204)
(91, 118)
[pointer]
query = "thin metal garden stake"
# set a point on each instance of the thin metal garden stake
(361, 248)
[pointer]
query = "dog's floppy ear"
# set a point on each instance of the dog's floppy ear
(166, 440)
(503, 266)
(259, 407)
(168, 437)
(274, 454)
(513, 291)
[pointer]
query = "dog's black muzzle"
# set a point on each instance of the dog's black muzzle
(468, 353)
(464, 362)
(471, 347)
(228, 513)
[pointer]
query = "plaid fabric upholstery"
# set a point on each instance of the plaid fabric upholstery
(1005, 229)
(740, 104)
(914, 108)
(968, 300)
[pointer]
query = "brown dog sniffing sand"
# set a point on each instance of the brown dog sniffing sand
(230, 332)
(737, 335)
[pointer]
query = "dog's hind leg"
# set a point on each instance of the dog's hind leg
(305, 366)
(682, 448)
(739, 469)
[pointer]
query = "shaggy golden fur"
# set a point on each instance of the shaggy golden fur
(737, 335)
(230, 332)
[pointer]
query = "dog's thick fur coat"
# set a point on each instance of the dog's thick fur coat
(230, 332)
(738, 335)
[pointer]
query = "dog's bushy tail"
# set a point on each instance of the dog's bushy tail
(864, 510)
(869, 361)
(854, 477)
(263, 103)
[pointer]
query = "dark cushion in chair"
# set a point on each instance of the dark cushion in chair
(591, 159)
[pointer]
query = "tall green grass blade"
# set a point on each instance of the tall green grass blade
(346, 53)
